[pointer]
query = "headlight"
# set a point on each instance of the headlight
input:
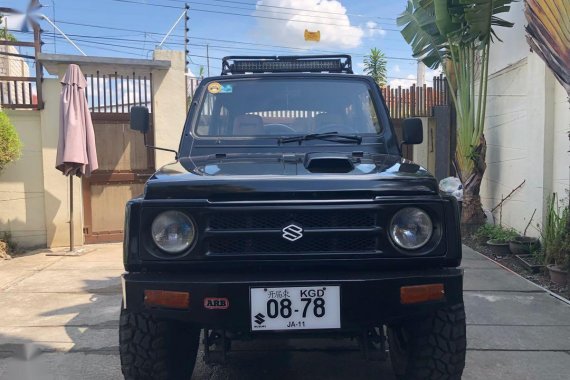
(411, 228)
(173, 231)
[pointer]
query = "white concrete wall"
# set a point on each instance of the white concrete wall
(514, 46)
(424, 153)
(169, 104)
(35, 197)
(526, 129)
(21, 185)
(561, 140)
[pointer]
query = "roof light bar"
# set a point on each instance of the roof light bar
(287, 64)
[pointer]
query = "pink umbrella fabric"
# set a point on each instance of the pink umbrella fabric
(76, 152)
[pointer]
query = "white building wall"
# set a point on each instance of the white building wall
(561, 143)
(22, 185)
(527, 122)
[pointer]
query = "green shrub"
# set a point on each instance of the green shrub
(10, 145)
(496, 232)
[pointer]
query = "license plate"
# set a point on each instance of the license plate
(295, 308)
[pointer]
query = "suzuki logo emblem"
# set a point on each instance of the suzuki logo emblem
(292, 232)
(259, 319)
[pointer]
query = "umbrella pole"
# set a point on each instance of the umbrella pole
(71, 213)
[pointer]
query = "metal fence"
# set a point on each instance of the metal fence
(116, 93)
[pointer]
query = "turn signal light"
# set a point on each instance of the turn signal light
(167, 298)
(421, 293)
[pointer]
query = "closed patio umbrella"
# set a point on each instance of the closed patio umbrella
(76, 152)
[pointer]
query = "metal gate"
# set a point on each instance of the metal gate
(124, 162)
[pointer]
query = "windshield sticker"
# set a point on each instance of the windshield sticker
(214, 88)
(226, 89)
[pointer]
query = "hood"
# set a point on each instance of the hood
(289, 176)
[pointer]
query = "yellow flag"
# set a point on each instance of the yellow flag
(312, 36)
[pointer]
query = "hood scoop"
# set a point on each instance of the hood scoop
(328, 163)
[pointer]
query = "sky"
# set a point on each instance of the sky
(133, 28)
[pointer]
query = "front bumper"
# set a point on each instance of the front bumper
(367, 298)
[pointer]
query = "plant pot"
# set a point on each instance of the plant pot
(529, 263)
(522, 245)
(558, 275)
(501, 247)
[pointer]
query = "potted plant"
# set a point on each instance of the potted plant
(557, 241)
(524, 245)
(498, 237)
(560, 255)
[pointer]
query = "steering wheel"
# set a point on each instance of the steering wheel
(331, 127)
(279, 129)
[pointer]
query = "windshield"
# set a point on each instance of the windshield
(287, 107)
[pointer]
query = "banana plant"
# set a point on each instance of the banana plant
(456, 35)
(548, 34)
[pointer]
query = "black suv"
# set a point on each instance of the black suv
(290, 211)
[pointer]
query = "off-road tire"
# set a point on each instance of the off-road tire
(430, 348)
(152, 348)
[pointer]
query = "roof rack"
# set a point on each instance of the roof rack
(287, 64)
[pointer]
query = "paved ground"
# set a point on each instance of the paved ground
(68, 306)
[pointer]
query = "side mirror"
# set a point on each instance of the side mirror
(140, 120)
(413, 132)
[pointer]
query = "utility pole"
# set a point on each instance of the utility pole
(421, 79)
(186, 51)
(208, 57)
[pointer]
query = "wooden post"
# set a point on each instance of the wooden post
(39, 66)
(424, 100)
(399, 113)
(413, 101)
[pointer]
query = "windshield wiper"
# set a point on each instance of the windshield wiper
(329, 136)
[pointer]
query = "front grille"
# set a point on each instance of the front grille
(307, 244)
(280, 219)
(254, 232)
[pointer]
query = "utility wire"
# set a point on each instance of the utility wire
(252, 16)
(219, 40)
(295, 9)
(214, 47)
(317, 13)
(104, 46)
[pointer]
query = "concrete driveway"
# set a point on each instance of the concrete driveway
(62, 312)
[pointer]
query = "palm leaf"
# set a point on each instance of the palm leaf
(421, 33)
(481, 16)
(548, 34)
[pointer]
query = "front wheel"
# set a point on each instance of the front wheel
(153, 348)
(430, 348)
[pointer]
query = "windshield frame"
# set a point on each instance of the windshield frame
(190, 140)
